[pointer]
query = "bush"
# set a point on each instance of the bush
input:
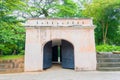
(107, 48)
(9, 57)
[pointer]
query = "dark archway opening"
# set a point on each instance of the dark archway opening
(56, 54)
(60, 52)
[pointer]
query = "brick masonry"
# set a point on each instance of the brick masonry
(10, 66)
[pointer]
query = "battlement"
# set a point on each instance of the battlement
(58, 22)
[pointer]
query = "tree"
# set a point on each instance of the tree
(11, 29)
(67, 8)
(106, 15)
(51, 8)
(12, 32)
(39, 8)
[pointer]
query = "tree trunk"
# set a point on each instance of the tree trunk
(105, 33)
(1, 52)
(14, 52)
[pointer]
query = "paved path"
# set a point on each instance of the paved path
(57, 73)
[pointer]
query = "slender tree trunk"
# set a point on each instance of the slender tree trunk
(105, 31)
(14, 52)
(1, 52)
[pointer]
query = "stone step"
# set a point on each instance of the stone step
(6, 65)
(108, 68)
(108, 55)
(1, 70)
(108, 64)
(12, 70)
(108, 60)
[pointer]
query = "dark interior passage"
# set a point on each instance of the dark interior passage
(62, 54)
(55, 53)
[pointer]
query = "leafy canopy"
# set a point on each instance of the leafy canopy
(11, 29)
(106, 15)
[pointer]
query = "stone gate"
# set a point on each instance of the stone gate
(69, 42)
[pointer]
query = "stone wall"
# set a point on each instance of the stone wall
(108, 62)
(10, 66)
(105, 61)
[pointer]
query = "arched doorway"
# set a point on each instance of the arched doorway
(60, 51)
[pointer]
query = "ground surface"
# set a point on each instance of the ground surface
(57, 73)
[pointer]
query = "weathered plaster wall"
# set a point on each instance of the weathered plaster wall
(81, 36)
(82, 40)
(33, 50)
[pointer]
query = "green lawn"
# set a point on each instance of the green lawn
(8, 57)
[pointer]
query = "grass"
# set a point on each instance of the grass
(8, 57)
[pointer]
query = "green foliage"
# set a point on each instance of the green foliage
(39, 8)
(12, 36)
(53, 8)
(8, 57)
(8, 6)
(106, 15)
(107, 48)
(12, 32)
(67, 9)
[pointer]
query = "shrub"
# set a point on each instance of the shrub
(107, 48)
